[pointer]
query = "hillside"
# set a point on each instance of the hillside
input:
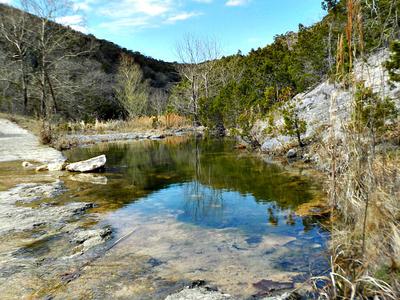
(89, 77)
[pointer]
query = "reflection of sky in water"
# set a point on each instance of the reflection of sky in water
(203, 206)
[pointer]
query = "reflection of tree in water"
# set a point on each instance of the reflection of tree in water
(272, 219)
(153, 165)
(291, 219)
(200, 201)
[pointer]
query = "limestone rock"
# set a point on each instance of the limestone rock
(42, 168)
(89, 165)
(88, 239)
(89, 178)
(198, 294)
(57, 165)
(292, 153)
(329, 104)
(27, 165)
(273, 144)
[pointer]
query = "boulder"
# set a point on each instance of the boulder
(42, 168)
(27, 165)
(89, 165)
(57, 165)
(292, 153)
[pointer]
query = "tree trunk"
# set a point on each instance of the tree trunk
(296, 125)
(53, 96)
(25, 92)
(43, 100)
(196, 120)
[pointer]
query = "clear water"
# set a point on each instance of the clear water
(203, 211)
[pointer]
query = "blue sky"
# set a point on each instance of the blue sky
(153, 27)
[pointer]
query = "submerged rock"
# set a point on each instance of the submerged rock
(285, 296)
(88, 239)
(89, 178)
(267, 287)
(89, 165)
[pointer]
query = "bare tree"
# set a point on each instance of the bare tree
(158, 101)
(198, 60)
(13, 31)
(52, 44)
(131, 90)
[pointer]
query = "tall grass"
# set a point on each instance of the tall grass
(364, 192)
(168, 121)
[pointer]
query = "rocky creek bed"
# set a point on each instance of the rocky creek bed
(64, 234)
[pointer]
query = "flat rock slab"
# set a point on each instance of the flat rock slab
(198, 294)
(89, 165)
(17, 143)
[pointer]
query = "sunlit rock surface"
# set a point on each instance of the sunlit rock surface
(328, 101)
(17, 143)
(198, 294)
(89, 165)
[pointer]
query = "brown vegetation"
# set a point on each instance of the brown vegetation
(364, 190)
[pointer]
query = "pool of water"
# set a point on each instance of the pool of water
(199, 210)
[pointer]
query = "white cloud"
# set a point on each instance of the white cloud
(182, 16)
(70, 20)
(124, 23)
(127, 8)
(5, 1)
(83, 5)
(236, 2)
(132, 15)
(74, 21)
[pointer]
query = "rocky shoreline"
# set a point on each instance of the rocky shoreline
(76, 140)
(30, 218)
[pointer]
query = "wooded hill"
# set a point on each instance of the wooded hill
(243, 88)
(76, 76)
(80, 69)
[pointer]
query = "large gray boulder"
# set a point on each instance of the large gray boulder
(89, 165)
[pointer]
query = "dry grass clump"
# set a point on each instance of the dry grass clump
(168, 121)
(364, 194)
(364, 184)
(46, 135)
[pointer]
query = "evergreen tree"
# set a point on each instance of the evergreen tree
(393, 65)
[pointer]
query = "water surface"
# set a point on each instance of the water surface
(200, 210)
